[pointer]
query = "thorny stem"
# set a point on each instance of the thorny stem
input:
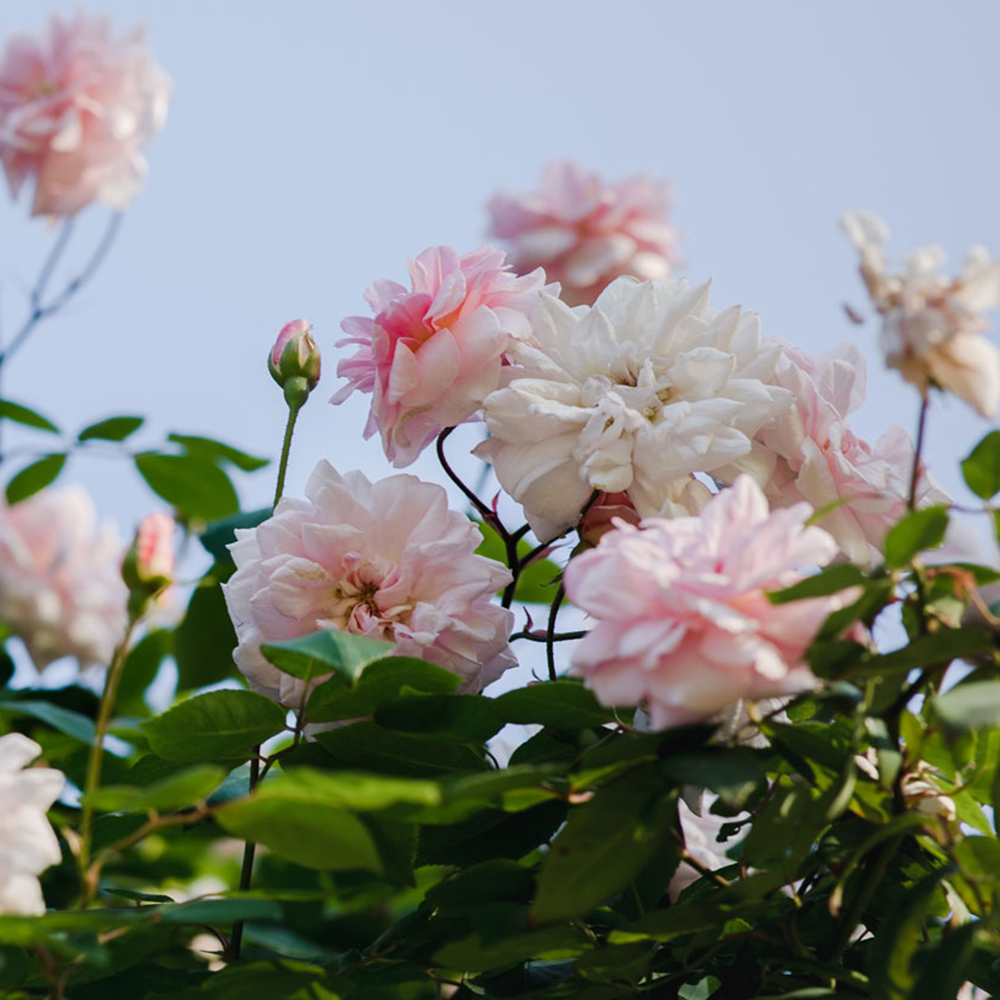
(917, 450)
(548, 637)
(286, 448)
(550, 632)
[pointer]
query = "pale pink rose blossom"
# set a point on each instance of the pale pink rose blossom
(61, 589)
(434, 352)
(819, 459)
(76, 109)
(387, 560)
(932, 325)
(684, 625)
(154, 547)
(585, 231)
(633, 395)
(28, 844)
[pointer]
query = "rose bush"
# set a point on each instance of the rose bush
(756, 753)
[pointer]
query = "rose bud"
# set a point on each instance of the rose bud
(294, 361)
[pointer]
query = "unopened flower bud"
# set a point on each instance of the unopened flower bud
(294, 361)
(148, 566)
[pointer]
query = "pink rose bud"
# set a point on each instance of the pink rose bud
(294, 361)
(148, 567)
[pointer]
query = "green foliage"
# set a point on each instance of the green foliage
(112, 429)
(34, 477)
(21, 414)
(981, 467)
(195, 486)
(922, 530)
(217, 725)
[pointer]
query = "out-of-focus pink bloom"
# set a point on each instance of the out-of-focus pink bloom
(434, 352)
(603, 512)
(76, 109)
(819, 459)
(586, 232)
(61, 590)
(295, 355)
(28, 844)
(684, 625)
(701, 842)
(386, 560)
(154, 548)
(932, 325)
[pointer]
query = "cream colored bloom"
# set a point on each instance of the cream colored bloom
(633, 395)
(932, 325)
(28, 844)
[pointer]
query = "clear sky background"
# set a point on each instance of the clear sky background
(312, 146)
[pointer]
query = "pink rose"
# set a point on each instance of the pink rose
(586, 232)
(432, 354)
(386, 560)
(75, 112)
(60, 587)
(684, 624)
(819, 459)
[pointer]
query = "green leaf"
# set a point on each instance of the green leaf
(326, 652)
(928, 650)
(219, 911)
(220, 724)
(733, 774)
(34, 477)
(22, 415)
(138, 897)
(970, 706)
(194, 485)
(349, 790)
(312, 834)
(464, 718)
(490, 834)
(367, 746)
(561, 704)
(219, 535)
(71, 723)
(471, 954)
(981, 467)
(112, 429)
(381, 681)
(603, 846)
(828, 581)
(205, 639)
(185, 788)
(217, 451)
(917, 532)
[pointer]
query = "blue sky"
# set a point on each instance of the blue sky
(312, 146)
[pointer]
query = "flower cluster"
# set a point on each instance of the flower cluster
(386, 560)
(28, 844)
(61, 590)
(586, 232)
(75, 112)
(932, 326)
(633, 395)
